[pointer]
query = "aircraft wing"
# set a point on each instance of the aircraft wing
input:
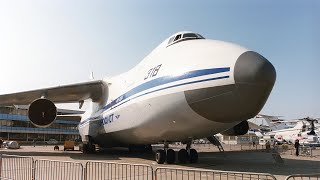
(253, 126)
(259, 134)
(95, 90)
(267, 116)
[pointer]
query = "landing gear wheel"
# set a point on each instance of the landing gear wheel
(85, 149)
(183, 156)
(193, 156)
(88, 148)
(171, 156)
(160, 156)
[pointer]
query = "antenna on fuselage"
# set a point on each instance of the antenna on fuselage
(91, 76)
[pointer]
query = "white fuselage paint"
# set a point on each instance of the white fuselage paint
(299, 132)
(159, 112)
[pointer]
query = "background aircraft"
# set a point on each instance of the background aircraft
(273, 123)
(305, 129)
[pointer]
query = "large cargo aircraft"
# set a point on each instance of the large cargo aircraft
(187, 88)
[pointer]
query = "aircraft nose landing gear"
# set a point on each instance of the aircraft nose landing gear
(184, 155)
(166, 155)
(161, 156)
(171, 156)
(88, 147)
(193, 156)
(188, 154)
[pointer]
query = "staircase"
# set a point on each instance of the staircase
(215, 142)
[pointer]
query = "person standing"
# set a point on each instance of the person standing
(1, 142)
(297, 145)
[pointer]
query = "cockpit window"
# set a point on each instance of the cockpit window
(200, 36)
(190, 35)
(177, 37)
(183, 37)
(171, 39)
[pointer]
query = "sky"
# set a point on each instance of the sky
(56, 42)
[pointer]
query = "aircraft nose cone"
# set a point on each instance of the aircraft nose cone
(254, 78)
(252, 68)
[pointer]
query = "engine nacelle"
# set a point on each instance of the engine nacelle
(42, 112)
(237, 130)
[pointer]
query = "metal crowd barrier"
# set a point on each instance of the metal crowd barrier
(199, 174)
(25, 168)
(303, 150)
(105, 170)
(306, 150)
(16, 167)
(304, 177)
(57, 170)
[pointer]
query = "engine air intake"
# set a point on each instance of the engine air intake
(42, 112)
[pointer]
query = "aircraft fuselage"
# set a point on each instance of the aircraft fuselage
(187, 90)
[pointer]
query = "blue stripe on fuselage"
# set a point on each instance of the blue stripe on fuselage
(165, 80)
(161, 81)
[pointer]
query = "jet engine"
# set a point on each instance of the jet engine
(237, 130)
(42, 112)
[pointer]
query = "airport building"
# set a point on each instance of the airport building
(244, 139)
(15, 125)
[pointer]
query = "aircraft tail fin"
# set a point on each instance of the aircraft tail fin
(272, 121)
(300, 125)
(259, 134)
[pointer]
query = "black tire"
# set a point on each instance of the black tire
(193, 156)
(160, 156)
(171, 156)
(183, 156)
(85, 149)
(88, 148)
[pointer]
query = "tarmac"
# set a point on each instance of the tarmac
(235, 158)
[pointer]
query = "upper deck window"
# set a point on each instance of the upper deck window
(183, 37)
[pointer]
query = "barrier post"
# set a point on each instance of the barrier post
(183, 173)
(0, 165)
(58, 170)
(110, 170)
(16, 167)
(303, 176)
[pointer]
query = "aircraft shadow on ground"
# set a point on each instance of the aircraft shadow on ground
(257, 162)
(241, 161)
(60, 153)
(113, 154)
